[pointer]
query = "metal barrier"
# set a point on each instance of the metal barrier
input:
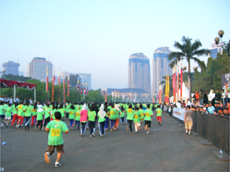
(214, 128)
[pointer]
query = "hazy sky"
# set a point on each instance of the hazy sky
(98, 36)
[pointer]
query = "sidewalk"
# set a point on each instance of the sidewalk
(167, 148)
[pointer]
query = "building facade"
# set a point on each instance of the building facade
(160, 67)
(215, 50)
(37, 69)
(139, 72)
(11, 68)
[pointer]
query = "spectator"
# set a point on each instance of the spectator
(212, 97)
(217, 106)
(205, 97)
(210, 108)
(188, 120)
(220, 111)
(197, 96)
(201, 95)
(218, 95)
(226, 111)
(189, 103)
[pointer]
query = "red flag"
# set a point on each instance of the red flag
(59, 82)
(64, 90)
(84, 91)
(174, 85)
(78, 88)
(181, 82)
(81, 90)
(68, 89)
(177, 85)
(87, 91)
(53, 89)
(47, 84)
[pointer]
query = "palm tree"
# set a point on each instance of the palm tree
(189, 51)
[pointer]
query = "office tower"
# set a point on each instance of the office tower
(139, 72)
(215, 50)
(11, 68)
(160, 67)
(37, 69)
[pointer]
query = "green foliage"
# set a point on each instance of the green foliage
(211, 79)
(43, 96)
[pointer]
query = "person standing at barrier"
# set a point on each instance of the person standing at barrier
(55, 139)
(226, 111)
(188, 120)
(210, 108)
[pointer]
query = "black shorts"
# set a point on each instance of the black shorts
(59, 149)
(148, 123)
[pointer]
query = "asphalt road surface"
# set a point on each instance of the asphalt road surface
(166, 148)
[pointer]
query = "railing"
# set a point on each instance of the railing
(214, 128)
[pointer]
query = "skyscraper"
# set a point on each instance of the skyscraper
(160, 67)
(37, 69)
(139, 72)
(11, 68)
(215, 50)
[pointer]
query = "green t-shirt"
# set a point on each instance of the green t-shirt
(47, 112)
(34, 112)
(20, 110)
(136, 116)
(130, 114)
(53, 113)
(159, 112)
(8, 111)
(142, 113)
(1, 110)
(148, 114)
(55, 133)
(123, 114)
(113, 114)
(71, 113)
(100, 119)
(14, 110)
(40, 116)
(91, 115)
(28, 110)
(77, 115)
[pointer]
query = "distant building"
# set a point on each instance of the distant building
(21, 73)
(139, 72)
(215, 50)
(160, 67)
(11, 68)
(84, 78)
(37, 69)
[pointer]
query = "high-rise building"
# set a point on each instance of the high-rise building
(215, 50)
(139, 72)
(11, 68)
(160, 67)
(37, 69)
(84, 78)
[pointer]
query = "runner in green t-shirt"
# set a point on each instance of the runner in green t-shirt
(130, 114)
(15, 114)
(159, 114)
(20, 108)
(136, 119)
(148, 114)
(101, 119)
(40, 114)
(71, 116)
(47, 111)
(2, 113)
(55, 139)
(77, 117)
(122, 115)
(91, 119)
(142, 114)
(28, 113)
(112, 116)
(8, 111)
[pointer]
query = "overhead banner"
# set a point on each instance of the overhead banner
(179, 113)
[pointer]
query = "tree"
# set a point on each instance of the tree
(189, 51)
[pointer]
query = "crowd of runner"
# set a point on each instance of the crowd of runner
(81, 116)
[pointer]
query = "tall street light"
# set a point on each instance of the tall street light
(223, 44)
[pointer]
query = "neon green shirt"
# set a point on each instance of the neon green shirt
(148, 115)
(91, 115)
(20, 109)
(71, 113)
(28, 111)
(130, 114)
(55, 134)
(159, 112)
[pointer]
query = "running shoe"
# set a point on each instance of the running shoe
(57, 165)
(47, 159)
(90, 135)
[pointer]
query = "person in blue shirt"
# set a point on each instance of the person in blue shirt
(210, 108)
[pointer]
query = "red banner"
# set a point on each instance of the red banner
(81, 90)
(181, 82)
(174, 85)
(53, 89)
(177, 86)
(78, 88)
(47, 84)
(59, 81)
(64, 90)
(68, 89)
(84, 91)
(160, 96)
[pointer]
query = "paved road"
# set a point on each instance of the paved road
(167, 148)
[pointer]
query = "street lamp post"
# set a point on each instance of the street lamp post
(223, 44)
